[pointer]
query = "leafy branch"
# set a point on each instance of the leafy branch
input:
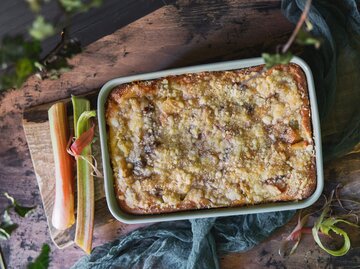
(43, 260)
(299, 24)
(300, 36)
(20, 55)
(7, 226)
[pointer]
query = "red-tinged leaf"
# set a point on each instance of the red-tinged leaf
(84, 140)
(296, 233)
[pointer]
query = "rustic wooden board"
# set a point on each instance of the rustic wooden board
(37, 133)
(190, 32)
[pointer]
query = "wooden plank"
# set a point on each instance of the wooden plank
(37, 133)
(16, 18)
(190, 32)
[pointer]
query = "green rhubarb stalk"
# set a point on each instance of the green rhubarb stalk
(85, 181)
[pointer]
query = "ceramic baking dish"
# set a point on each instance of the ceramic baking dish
(205, 213)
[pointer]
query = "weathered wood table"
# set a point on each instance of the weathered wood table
(187, 33)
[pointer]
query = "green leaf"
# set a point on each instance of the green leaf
(72, 5)
(83, 120)
(35, 5)
(327, 225)
(56, 73)
(275, 59)
(305, 38)
(7, 81)
(78, 5)
(39, 66)
(32, 49)
(14, 48)
(11, 50)
(41, 29)
(6, 226)
(43, 260)
(17, 58)
(2, 263)
(22, 211)
(308, 25)
(23, 68)
(339, 252)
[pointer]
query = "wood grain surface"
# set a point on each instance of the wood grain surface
(37, 133)
(187, 33)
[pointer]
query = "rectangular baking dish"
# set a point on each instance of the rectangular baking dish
(205, 213)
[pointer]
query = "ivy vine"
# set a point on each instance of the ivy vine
(20, 55)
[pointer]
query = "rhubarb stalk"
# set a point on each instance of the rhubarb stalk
(63, 212)
(85, 182)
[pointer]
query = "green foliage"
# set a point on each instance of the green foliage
(79, 5)
(277, 58)
(302, 37)
(35, 5)
(41, 29)
(43, 260)
(15, 48)
(6, 226)
(305, 38)
(22, 211)
(325, 225)
(19, 58)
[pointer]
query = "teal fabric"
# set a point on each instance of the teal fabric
(197, 243)
(336, 69)
(185, 244)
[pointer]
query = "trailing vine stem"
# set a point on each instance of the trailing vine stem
(284, 56)
(299, 24)
(21, 55)
(58, 47)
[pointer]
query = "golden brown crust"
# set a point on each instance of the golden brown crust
(301, 81)
(291, 137)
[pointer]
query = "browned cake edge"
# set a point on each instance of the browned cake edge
(123, 91)
(301, 81)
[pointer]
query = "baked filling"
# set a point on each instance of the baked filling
(211, 139)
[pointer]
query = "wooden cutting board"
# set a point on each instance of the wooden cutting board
(37, 132)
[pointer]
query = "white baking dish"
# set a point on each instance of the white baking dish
(205, 213)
